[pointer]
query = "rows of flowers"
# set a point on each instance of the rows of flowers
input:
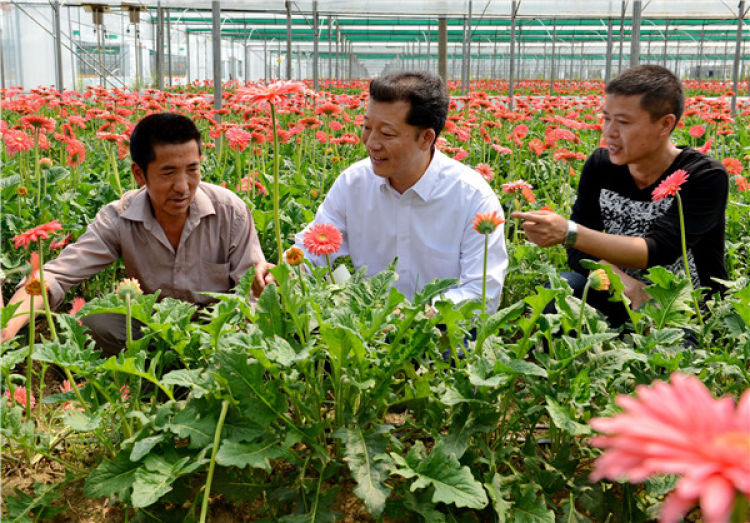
(330, 392)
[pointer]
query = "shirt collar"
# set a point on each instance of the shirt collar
(424, 186)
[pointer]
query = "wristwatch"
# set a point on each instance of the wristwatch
(571, 235)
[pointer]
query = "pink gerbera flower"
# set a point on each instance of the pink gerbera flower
(485, 170)
(670, 185)
(322, 239)
(679, 428)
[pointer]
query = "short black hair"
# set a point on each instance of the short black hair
(660, 87)
(159, 129)
(425, 92)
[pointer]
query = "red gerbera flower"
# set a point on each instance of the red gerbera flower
(670, 185)
(697, 131)
(17, 141)
(273, 93)
(237, 138)
(328, 109)
(520, 185)
(486, 223)
(732, 165)
(38, 232)
(322, 239)
(35, 121)
(741, 183)
(485, 170)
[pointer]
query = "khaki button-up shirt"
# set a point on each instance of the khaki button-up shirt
(218, 244)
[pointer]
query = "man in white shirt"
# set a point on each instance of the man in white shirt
(408, 201)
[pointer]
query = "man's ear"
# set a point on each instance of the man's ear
(138, 174)
(669, 121)
(426, 138)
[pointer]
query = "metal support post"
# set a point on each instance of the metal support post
(737, 49)
(216, 36)
(288, 39)
(443, 48)
(169, 47)
(159, 46)
(316, 23)
(622, 35)
(635, 38)
(58, 46)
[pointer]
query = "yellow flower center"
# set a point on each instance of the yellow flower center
(739, 441)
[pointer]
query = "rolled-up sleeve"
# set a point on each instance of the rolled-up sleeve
(245, 250)
(95, 249)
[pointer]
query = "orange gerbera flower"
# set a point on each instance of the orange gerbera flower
(520, 185)
(485, 170)
(38, 232)
(322, 239)
(486, 223)
(294, 256)
(670, 185)
(237, 138)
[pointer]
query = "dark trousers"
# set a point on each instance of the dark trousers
(108, 331)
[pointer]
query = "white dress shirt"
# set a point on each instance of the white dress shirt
(428, 228)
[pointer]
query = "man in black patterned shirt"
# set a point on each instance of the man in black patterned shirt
(614, 219)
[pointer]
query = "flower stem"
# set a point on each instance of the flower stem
(685, 258)
(212, 464)
(330, 270)
(484, 276)
(276, 222)
(45, 298)
(28, 359)
(583, 304)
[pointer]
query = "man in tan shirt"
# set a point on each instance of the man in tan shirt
(175, 234)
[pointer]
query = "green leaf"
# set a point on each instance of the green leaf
(493, 324)
(561, 418)
(198, 427)
(198, 380)
(570, 514)
(432, 289)
(135, 366)
(112, 478)
(256, 455)
(66, 355)
(152, 481)
(21, 506)
(368, 463)
(270, 314)
(144, 446)
(671, 296)
(81, 421)
(526, 368)
(453, 483)
(141, 306)
(529, 509)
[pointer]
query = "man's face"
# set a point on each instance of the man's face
(171, 179)
(631, 135)
(398, 151)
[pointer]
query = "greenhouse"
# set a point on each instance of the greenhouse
(447, 260)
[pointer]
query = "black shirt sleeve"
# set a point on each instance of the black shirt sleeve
(704, 198)
(586, 210)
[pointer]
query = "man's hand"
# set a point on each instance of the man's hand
(544, 228)
(633, 287)
(262, 277)
(21, 317)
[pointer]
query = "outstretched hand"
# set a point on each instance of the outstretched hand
(262, 277)
(544, 228)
